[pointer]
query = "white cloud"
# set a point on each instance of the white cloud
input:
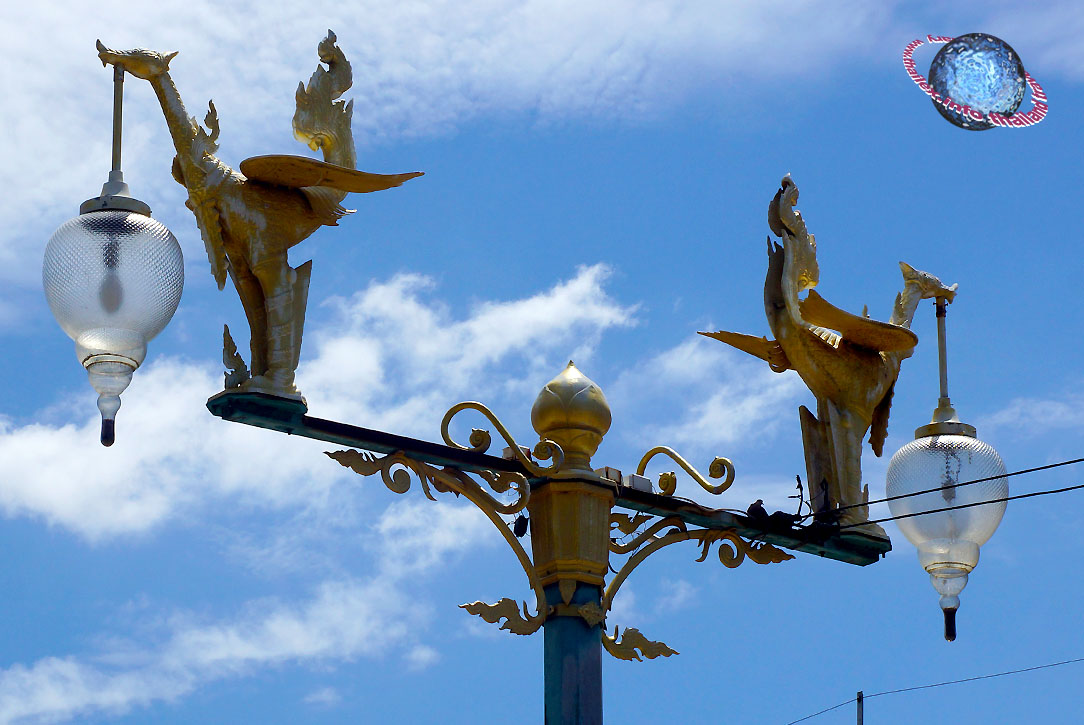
(325, 696)
(1031, 417)
(392, 327)
(389, 358)
(421, 657)
(170, 454)
(676, 594)
(344, 620)
(721, 396)
(624, 611)
(416, 535)
(1047, 35)
(420, 68)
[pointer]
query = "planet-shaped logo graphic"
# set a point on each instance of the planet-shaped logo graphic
(980, 71)
(977, 82)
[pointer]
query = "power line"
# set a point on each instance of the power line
(941, 684)
(964, 483)
(966, 505)
(834, 707)
(979, 677)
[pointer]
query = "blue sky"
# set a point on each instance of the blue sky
(597, 176)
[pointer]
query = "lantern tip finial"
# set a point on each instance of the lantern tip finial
(109, 432)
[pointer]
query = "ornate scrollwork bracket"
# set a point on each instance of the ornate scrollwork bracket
(733, 550)
(395, 470)
(480, 441)
(720, 468)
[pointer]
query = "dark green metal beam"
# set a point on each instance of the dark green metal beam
(288, 416)
(822, 540)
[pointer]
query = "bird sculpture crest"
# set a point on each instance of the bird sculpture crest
(249, 219)
(849, 362)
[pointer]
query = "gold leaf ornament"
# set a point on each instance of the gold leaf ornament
(631, 641)
(236, 370)
(508, 610)
(733, 549)
(592, 613)
(627, 524)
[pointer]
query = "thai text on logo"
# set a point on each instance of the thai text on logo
(1018, 120)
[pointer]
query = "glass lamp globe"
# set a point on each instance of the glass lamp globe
(947, 541)
(113, 279)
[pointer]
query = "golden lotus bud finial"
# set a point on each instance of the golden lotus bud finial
(572, 411)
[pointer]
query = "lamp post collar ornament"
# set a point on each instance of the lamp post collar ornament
(575, 531)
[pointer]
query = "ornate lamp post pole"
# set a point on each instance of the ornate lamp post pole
(583, 519)
(570, 536)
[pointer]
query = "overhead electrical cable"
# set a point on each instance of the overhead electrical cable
(940, 684)
(965, 505)
(938, 489)
(829, 709)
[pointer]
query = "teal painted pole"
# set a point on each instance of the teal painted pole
(573, 662)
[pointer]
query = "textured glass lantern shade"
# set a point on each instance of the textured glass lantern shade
(947, 541)
(113, 280)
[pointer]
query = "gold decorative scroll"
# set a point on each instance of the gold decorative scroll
(658, 534)
(648, 543)
(673, 522)
(732, 556)
(631, 641)
(480, 440)
(395, 469)
(720, 468)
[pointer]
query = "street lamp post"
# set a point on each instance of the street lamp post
(584, 521)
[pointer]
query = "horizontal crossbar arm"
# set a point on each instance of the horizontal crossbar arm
(288, 416)
(821, 540)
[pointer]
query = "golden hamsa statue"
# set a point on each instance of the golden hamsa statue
(849, 362)
(249, 219)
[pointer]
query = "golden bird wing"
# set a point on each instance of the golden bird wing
(767, 350)
(861, 331)
(301, 171)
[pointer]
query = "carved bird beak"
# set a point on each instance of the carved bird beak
(103, 52)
